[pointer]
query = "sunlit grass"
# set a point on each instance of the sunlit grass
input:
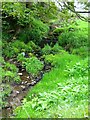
(58, 95)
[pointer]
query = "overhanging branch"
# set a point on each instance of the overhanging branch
(72, 9)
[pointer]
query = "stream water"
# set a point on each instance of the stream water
(19, 91)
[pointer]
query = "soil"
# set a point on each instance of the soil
(19, 91)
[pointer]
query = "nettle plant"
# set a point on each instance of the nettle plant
(46, 50)
(10, 73)
(33, 65)
(5, 91)
(21, 57)
(51, 50)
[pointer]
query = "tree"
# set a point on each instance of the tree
(71, 7)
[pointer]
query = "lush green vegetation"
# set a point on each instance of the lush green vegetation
(33, 65)
(36, 35)
(64, 88)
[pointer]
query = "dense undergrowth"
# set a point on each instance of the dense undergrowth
(63, 91)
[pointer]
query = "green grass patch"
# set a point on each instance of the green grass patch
(61, 93)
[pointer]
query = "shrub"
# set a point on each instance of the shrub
(74, 39)
(9, 73)
(12, 49)
(20, 45)
(16, 11)
(35, 32)
(21, 16)
(21, 57)
(82, 51)
(8, 50)
(33, 65)
(75, 36)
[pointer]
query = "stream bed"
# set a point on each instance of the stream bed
(19, 91)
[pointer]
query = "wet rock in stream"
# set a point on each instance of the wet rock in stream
(20, 90)
(20, 74)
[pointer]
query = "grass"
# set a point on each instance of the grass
(59, 94)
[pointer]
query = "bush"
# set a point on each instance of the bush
(82, 51)
(12, 49)
(35, 32)
(9, 73)
(23, 19)
(74, 36)
(33, 65)
(73, 39)
(6, 90)
(17, 12)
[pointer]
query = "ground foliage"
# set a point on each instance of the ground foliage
(35, 34)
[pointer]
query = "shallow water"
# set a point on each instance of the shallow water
(20, 91)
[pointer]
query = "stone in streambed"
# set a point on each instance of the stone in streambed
(28, 77)
(22, 86)
(23, 69)
(34, 82)
(37, 79)
(25, 82)
(20, 74)
(17, 92)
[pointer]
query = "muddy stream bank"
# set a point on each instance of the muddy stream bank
(19, 91)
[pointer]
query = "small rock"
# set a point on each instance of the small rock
(22, 86)
(25, 82)
(8, 108)
(28, 77)
(22, 82)
(22, 69)
(23, 53)
(13, 114)
(20, 74)
(29, 84)
(17, 92)
(34, 82)
(10, 60)
(37, 79)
